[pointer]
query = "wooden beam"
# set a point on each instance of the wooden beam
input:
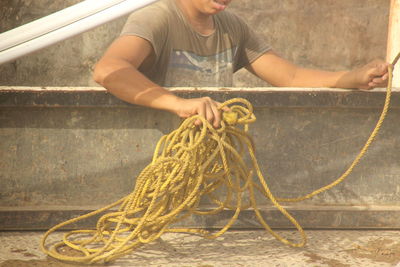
(393, 45)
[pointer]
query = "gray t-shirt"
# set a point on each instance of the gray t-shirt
(184, 57)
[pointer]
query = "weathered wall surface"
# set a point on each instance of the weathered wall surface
(329, 34)
(64, 152)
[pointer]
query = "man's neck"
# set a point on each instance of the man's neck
(202, 23)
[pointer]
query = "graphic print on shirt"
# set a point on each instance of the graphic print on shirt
(204, 71)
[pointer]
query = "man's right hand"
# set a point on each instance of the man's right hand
(204, 106)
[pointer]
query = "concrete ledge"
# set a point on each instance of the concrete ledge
(259, 97)
(77, 148)
(310, 217)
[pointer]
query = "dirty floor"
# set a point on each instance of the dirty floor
(236, 248)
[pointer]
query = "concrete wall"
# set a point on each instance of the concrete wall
(328, 34)
(65, 152)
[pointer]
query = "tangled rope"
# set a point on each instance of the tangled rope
(189, 164)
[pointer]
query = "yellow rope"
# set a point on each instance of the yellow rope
(189, 164)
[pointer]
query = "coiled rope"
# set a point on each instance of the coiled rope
(189, 164)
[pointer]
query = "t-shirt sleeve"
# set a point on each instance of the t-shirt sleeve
(252, 44)
(149, 24)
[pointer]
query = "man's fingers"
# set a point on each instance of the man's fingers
(202, 112)
(380, 69)
(225, 108)
(378, 75)
(213, 115)
(371, 85)
(217, 115)
(378, 80)
(376, 84)
(209, 113)
(206, 108)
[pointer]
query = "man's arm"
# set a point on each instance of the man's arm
(280, 72)
(118, 72)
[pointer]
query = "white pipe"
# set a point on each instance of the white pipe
(393, 44)
(77, 19)
(52, 22)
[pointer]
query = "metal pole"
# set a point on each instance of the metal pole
(393, 44)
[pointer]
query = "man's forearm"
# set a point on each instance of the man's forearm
(130, 85)
(280, 72)
(317, 78)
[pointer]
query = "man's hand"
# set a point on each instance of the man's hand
(204, 106)
(372, 75)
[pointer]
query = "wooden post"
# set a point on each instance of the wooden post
(393, 45)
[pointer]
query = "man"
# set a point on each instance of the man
(198, 43)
